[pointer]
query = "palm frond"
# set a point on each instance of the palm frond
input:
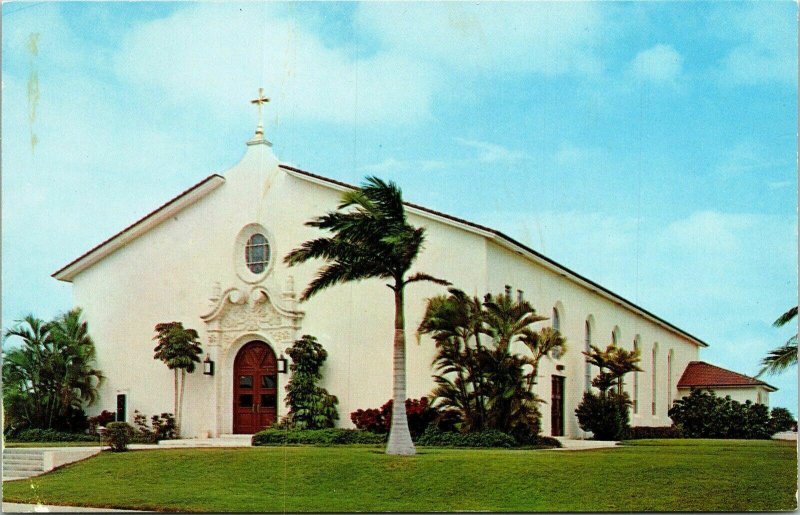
(419, 276)
(786, 317)
(781, 358)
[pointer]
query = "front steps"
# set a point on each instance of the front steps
(22, 463)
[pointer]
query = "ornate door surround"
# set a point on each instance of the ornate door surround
(239, 316)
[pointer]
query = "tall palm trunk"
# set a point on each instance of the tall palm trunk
(175, 405)
(183, 388)
(399, 435)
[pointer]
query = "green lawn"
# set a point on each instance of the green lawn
(663, 475)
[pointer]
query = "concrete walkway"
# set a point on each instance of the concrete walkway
(786, 435)
(583, 445)
(12, 507)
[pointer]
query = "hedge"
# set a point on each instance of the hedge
(487, 438)
(332, 436)
(431, 437)
(51, 435)
(640, 432)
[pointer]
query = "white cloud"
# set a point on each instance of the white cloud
(747, 157)
(768, 52)
(486, 153)
(388, 165)
(216, 55)
(571, 155)
(661, 64)
(492, 152)
(544, 37)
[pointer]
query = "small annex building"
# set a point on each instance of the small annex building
(723, 382)
(212, 258)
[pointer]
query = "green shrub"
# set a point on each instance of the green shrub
(163, 428)
(641, 432)
(537, 441)
(487, 438)
(118, 435)
(605, 415)
(781, 419)
(51, 435)
(330, 436)
(702, 414)
(310, 405)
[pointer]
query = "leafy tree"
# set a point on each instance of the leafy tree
(781, 419)
(606, 414)
(702, 414)
(179, 349)
(482, 381)
(50, 377)
(310, 406)
(783, 357)
(371, 238)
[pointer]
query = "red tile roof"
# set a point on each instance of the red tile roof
(702, 374)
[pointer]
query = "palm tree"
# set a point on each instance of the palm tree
(77, 379)
(784, 356)
(371, 238)
(51, 375)
(487, 386)
(453, 322)
(179, 349)
(617, 361)
(23, 369)
(507, 319)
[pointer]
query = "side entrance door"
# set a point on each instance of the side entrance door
(557, 406)
(255, 394)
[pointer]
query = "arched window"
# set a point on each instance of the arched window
(588, 367)
(669, 379)
(615, 336)
(636, 380)
(556, 320)
(653, 377)
(256, 253)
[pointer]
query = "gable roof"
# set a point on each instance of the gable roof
(700, 374)
(136, 229)
(515, 246)
(210, 183)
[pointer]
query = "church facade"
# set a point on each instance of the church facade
(211, 258)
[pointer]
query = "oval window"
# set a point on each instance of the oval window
(256, 253)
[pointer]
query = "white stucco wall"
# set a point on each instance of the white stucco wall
(172, 271)
(546, 289)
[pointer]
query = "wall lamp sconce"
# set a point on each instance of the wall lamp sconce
(282, 365)
(208, 366)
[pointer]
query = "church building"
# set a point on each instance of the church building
(212, 258)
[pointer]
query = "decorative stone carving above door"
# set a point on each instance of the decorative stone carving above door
(236, 312)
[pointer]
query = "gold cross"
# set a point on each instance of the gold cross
(260, 101)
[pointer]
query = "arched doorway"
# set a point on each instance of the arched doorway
(255, 388)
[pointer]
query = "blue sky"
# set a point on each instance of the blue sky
(649, 146)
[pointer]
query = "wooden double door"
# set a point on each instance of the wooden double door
(255, 388)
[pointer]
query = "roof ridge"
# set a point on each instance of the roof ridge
(511, 240)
